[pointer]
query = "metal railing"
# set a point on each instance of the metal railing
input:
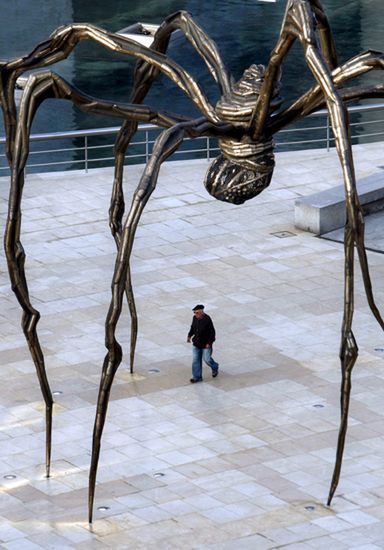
(94, 148)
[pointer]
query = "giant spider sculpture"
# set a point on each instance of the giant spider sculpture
(244, 120)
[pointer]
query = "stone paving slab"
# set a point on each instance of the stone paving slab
(247, 457)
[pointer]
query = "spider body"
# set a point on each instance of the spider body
(244, 120)
(237, 181)
(245, 166)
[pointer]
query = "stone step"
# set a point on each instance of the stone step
(325, 211)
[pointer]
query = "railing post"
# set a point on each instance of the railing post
(146, 146)
(328, 134)
(208, 149)
(86, 153)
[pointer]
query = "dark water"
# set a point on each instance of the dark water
(245, 31)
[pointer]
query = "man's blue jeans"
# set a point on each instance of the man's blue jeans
(198, 355)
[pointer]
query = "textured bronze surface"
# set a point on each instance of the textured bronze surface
(244, 119)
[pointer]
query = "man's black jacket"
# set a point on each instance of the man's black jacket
(203, 331)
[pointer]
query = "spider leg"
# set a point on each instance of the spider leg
(116, 213)
(204, 45)
(40, 87)
(314, 98)
(145, 74)
(354, 232)
(15, 256)
(58, 47)
(348, 353)
(299, 24)
(354, 228)
(164, 146)
(327, 43)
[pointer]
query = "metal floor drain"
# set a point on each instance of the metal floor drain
(283, 234)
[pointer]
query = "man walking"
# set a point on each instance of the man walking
(202, 334)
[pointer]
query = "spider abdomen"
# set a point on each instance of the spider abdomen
(242, 171)
(245, 167)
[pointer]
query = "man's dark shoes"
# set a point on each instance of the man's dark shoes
(194, 380)
(215, 372)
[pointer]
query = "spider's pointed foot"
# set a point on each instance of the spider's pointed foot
(331, 493)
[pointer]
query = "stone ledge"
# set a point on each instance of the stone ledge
(325, 211)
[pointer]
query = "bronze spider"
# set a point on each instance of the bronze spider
(244, 120)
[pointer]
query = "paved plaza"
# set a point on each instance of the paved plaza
(242, 461)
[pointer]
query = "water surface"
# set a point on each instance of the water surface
(245, 31)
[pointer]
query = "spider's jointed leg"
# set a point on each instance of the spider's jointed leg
(164, 146)
(116, 213)
(201, 42)
(348, 354)
(354, 233)
(151, 61)
(145, 74)
(314, 98)
(15, 256)
(40, 87)
(59, 46)
(299, 24)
